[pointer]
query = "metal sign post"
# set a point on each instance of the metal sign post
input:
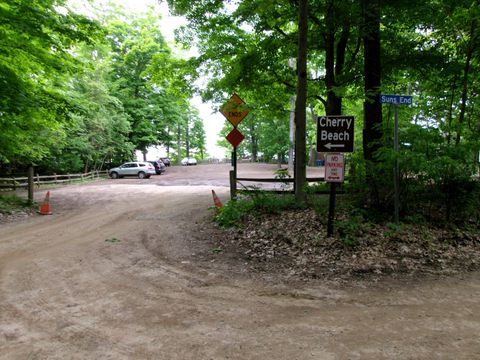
(234, 110)
(396, 170)
(396, 100)
(334, 173)
(334, 133)
(235, 137)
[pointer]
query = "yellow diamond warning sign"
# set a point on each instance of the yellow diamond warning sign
(235, 110)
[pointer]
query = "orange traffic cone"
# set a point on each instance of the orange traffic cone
(216, 201)
(45, 207)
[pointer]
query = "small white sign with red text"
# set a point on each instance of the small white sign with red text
(334, 167)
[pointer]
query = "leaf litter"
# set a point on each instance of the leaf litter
(294, 244)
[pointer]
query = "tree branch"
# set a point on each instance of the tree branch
(283, 81)
(341, 49)
(280, 31)
(321, 99)
(355, 53)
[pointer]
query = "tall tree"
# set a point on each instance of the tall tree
(35, 59)
(135, 45)
(197, 136)
(98, 131)
(372, 108)
(301, 103)
(372, 135)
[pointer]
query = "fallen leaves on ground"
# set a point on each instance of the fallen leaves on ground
(294, 243)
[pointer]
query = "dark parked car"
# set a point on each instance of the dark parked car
(159, 166)
(166, 161)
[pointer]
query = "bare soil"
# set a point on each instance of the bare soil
(129, 269)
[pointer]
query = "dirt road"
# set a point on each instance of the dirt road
(123, 270)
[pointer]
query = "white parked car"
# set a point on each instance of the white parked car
(140, 169)
(189, 161)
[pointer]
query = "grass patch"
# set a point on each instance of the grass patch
(10, 204)
(234, 213)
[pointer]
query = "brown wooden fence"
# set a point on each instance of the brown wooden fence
(247, 189)
(13, 183)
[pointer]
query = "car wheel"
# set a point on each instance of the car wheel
(114, 175)
(141, 175)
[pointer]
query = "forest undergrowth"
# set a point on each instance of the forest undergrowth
(270, 233)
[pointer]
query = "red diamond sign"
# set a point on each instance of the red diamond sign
(235, 137)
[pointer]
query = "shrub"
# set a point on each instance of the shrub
(255, 203)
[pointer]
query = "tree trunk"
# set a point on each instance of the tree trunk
(334, 60)
(450, 110)
(291, 138)
(167, 145)
(301, 103)
(179, 144)
(187, 140)
(372, 132)
(466, 73)
(334, 103)
(254, 143)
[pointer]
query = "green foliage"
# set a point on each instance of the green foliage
(10, 204)
(432, 56)
(78, 95)
(393, 230)
(135, 44)
(98, 128)
(349, 230)
(234, 212)
(441, 183)
(351, 222)
(283, 175)
(253, 204)
(415, 219)
(322, 187)
(35, 57)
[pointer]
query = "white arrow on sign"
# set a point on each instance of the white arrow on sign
(332, 146)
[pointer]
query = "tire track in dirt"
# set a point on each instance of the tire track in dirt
(54, 248)
(66, 292)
